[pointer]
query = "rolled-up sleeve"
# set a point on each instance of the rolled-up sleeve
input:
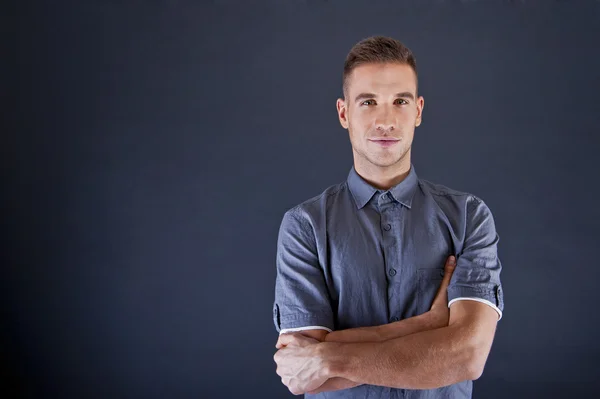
(301, 296)
(477, 273)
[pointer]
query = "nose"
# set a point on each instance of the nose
(385, 120)
(385, 128)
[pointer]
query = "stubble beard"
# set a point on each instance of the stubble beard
(392, 159)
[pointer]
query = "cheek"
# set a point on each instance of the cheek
(410, 114)
(362, 122)
(405, 114)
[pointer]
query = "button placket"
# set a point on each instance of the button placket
(389, 222)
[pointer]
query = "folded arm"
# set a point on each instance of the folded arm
(423, 322)
(425, 360)
(436, 317)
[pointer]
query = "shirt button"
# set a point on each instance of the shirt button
(387, 227)
(392, 272)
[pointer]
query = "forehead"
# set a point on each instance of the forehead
(382, 78)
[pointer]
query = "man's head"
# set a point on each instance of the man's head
(380, 107)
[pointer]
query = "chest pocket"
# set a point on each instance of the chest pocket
(429, 283)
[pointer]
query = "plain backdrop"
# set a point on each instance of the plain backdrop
(150, 149)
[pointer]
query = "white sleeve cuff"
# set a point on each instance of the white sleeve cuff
(288, 330)
(478, 300)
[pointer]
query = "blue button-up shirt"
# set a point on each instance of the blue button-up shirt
(357, 256)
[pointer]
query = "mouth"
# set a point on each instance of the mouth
(385, 142)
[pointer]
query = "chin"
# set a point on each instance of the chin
(384, 164)
(389, 160)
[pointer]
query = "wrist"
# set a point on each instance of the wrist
(332, 361)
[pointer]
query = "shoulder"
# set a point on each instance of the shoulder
(443, 193)
(318, 203)
(470, 215)
(465, 205)
(310, 211)
(441, 190)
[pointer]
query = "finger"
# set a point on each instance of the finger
(448, 269)
(286, 339)
(279, 345)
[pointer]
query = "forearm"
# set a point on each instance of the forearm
(422, 322)
(425, 360)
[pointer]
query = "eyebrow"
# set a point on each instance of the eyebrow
(405, 94)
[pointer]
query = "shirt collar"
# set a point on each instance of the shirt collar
(402, 192)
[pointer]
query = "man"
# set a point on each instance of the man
(367, 301)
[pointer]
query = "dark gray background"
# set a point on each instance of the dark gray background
(150, 149)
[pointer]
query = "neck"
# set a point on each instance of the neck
(386, 177)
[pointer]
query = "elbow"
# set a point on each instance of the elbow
(475, 372)
(475, 364)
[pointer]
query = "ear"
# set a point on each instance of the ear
(420, 105)
(342, 112)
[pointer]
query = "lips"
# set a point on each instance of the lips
(385, 142)
(384, 139)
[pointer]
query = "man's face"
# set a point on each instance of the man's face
(381, 112)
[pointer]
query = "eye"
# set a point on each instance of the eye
(401, 99)
(368, 102)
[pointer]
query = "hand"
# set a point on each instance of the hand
(300, 363)
(439, 311)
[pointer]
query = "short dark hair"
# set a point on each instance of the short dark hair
(377, 49)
